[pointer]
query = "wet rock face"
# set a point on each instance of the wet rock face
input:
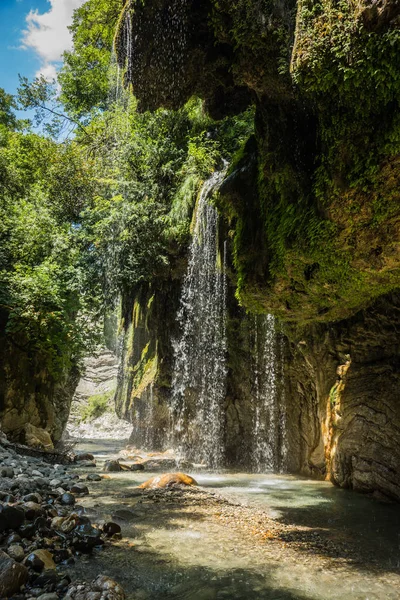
(344, 392)
(171, 54)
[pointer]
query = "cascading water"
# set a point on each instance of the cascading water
(269, 414)
(199, 379)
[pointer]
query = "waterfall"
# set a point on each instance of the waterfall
(269, 441)
(199, 378)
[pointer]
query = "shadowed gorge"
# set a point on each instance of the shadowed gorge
(200, 304)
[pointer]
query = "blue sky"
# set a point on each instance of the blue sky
(12, 59)
(33, 36)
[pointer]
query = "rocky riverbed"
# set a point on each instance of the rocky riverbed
(233, 537)
(44, 530)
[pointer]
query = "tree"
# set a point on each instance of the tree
(84, 77)
(7, 105)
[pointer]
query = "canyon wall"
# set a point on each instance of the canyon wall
(29, 394)
(311, 205)
(344, 389)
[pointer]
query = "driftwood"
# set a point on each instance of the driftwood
(63, 457)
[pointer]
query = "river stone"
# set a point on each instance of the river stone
(67, 499)
(93, 477)
(168, 480)
(112, 466)
(33, 498)
(13, 538)
(79, 488)
(137, 467)
(16, 552)
(37, 473)
(12, 576)
(86, 538)
(40, 560)
(87, 463)
(55, 483)
(32, 510)
(111, 528)
(27, 531)
(11, 517)
(106, 584)
(80, 456)
(7, 472)
(67, 525)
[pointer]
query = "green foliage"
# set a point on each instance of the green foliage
(84, 75)
(8, 119)
(97, 406)
(105, 210)
(350, 71)
(42, 275)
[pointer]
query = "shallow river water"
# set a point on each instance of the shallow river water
(280, 538)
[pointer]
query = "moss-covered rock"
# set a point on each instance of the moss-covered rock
(316, 228)
(29, 394)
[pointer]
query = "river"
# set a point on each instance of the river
(249, 536)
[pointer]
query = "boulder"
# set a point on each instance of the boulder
(168, 480)
(38, 438)
(40, 560)
(112, 466)
(12, 576)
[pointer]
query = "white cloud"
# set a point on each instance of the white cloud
(47, 34)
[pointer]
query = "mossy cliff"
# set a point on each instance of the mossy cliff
(147, 330)
(311, 203)
(29, 393)
(324, 79)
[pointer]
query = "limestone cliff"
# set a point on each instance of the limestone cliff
(312, 205)
(344, 391)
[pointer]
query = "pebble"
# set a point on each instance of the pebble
(41, 527)
(67, 499)
(16, 552)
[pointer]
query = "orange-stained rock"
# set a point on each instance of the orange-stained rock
(167, 480)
